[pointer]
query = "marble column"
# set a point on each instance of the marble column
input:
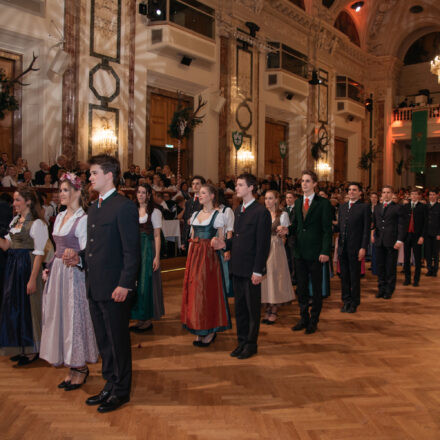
(69, 136)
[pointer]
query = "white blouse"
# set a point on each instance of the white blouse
(81, 227)
(284, 219)
(219, 221)
(156, 219)
(38, 232)
(229, 218)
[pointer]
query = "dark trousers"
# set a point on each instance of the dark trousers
(110, 321)
(306, 270)
(350, 278)
(432, 246)
(386, 265)
(289, 246)
(411, 244)
(247, 311)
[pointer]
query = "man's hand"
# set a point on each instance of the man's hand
(256, 279)
(361, 254)
(70, 257)
(323, 258)
(372, 238)
(119, 294)
(438, 237)
(217, 243)
(398, 245)
(420, 240)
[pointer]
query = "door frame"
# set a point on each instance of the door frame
(190, 143)
(286, 138)
(17, 141)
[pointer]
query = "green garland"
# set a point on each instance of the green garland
(8, 103)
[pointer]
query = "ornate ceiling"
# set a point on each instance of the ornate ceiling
(387, 27)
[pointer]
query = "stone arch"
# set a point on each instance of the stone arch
(347, 26)
(411, 38)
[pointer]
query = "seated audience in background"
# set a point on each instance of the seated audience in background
(11, 177)
(41, 173)
(60, 163)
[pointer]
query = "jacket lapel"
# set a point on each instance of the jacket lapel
(312, 207)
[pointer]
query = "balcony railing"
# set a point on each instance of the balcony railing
(405, 113)
(189, 14)
(349, 88)
(285, 58)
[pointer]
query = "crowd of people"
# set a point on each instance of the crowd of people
(82, 264)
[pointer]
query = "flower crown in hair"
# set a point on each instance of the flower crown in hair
(73, 179)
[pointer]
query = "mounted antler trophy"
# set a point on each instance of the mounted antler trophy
(8, 102)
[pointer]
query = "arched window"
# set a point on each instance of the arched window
(328, 3)
(345, 24)
(299, 3)
(424, 49)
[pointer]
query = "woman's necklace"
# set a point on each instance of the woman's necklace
(207, 211)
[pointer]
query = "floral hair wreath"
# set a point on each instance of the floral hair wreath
(74, 180)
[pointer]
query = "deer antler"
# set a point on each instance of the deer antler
(194, 115)
(30, 68)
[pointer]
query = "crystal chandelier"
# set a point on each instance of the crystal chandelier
(104, 140)
(435, 67)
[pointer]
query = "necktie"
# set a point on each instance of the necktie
(100, 201)
(411, 220)
(306, 204)
(349, 205)
(385, 204)
(243, 209)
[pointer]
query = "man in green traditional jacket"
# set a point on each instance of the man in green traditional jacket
(312, 227)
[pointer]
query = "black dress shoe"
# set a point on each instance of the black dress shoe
(311, 328)
(380, 295)
(112, 403)
(300, 325)
(352, 309)
(429, 274)
(246, 353)
(406, 283)
(345, 308)
(416, 284)
(387, 296)
(16, 357)
(237, 351)
(75, 386)
(264, 321)
(99, 398)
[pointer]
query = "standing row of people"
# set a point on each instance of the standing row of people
(90, 292)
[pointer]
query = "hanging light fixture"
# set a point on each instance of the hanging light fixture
(435, 67)
(104, 139)
(357, 6)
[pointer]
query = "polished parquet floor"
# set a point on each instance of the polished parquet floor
(371, 375)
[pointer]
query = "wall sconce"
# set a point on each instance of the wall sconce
(323, 169)
(246, 158)
(104, 140)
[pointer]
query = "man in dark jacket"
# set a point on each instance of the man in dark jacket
(249, 246)
(111, 259)
(387, 235)
(354, 223)
(312, 227)
(415, 216)
(432, 237)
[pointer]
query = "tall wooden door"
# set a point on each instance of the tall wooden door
(161, 113)
(7, 124)
(340, 174)
(275, 133)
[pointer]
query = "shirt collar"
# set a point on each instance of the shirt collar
(310, 198)
(107, 194)
(248, 204)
